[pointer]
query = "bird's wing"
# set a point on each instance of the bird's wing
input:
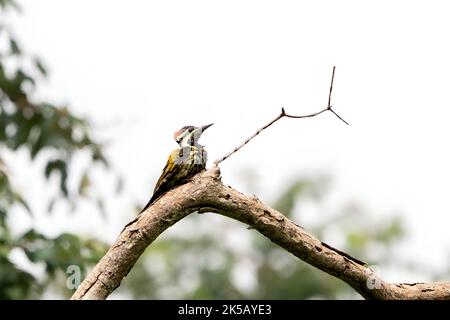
(171, 169)
(168, 178)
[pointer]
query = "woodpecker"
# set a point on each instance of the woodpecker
(183, 163)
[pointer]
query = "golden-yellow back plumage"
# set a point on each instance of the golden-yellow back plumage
(182, 165)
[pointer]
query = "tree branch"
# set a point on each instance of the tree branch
(206, 193)
(282, 115)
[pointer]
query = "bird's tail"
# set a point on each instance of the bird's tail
(149, 203)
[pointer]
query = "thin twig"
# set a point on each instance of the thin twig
(284, 114)
(340, 118)
(331, 87)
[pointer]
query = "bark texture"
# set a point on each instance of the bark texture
(206, 193)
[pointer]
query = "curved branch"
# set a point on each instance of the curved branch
(206, 193)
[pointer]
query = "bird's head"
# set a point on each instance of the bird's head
(189, 135)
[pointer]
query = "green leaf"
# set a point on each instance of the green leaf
(61, 167)
(52, 166)
(85, 183)
(97, 155)
(18, 198)
(14, 47)
(3, 213)
(40, 66)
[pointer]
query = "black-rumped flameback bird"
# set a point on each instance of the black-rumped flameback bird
(183, 163)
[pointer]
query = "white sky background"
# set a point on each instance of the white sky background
(142, 69)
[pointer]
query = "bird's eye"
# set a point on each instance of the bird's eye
(191, 129)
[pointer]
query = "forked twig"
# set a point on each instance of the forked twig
(282, 115)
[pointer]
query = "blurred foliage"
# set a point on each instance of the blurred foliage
(9, 4)
(201, 265)
(54, 254)
(54, 134)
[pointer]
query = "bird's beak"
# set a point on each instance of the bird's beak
(207, 126)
